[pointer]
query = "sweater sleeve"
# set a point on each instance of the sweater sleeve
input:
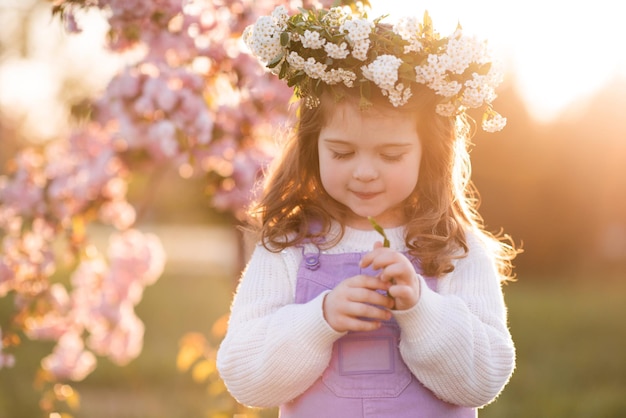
(456, 341)
(274, 349)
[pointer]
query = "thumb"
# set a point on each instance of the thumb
(378, 244)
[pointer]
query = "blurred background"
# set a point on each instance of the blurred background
(554, 179)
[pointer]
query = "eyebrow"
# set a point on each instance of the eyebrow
(386, 145)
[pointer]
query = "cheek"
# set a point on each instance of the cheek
(407, 174)
(326, 169)
(329, 170)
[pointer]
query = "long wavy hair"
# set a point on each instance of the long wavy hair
(441, 208)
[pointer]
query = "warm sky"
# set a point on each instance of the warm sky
(560, 51)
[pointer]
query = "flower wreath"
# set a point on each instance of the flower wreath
(318, 48)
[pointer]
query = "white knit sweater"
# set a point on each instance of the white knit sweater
(455, 340)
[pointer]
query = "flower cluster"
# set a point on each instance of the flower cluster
(318, 49)
(101, 303)
(157, 108)
(187, 96)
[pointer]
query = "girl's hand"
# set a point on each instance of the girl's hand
(355, 305)
(397, 273)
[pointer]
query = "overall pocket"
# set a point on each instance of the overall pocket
(368, 365)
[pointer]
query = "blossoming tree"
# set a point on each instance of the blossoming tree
(191, 99)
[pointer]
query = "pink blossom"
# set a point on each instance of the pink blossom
(6, 360)
(236, 192)
(56, 321)
(162, 139)
(79, 170)
(69, 359)
(123, 341)
(137, 255)
(126, 84)
(29, 260)
(23, 191)
(165, 99)
(87, 292)
(169, 106)
(118, 213)
(6, 277)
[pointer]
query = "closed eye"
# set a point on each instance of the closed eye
(342, 155)
(390, 157)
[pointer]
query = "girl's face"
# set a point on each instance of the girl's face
(369, 161)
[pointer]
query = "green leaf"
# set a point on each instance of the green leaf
(407, 71)
(284, 39)
(380, 230)
(296, 78)
(283, 70)
(275, 61)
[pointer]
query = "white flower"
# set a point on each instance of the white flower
(446, 109)
(311, 102)
(431, 72)
(447, 89)
(360, 48)
(477, 91)
(408, 29)
(383, 71)
(336, 51)
(296, 61)
(336, 16)
(312, 40)
(493, 122)
(263, 39)
(335, 76)
(280, 17)
(358, 29)
(358, 32)
(340, 33)
(463, 51)
(399, 95)
(314, 69)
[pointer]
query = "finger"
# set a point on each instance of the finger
(405, 297)
(363, 281)
(388, 301)
(382, 257)
(397, 273)
(376, 297)
(363, 310)
(355, 324)
(371, 256)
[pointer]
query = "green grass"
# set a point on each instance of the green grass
(570, 339)
(571, 348)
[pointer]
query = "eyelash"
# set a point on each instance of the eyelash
(341, 156)
(345, 155)
(392, 158)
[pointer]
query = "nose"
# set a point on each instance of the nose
(365, 171)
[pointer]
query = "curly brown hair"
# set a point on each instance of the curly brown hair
(441, 208)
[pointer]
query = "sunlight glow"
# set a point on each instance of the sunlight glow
(558, 52)
(59, 68)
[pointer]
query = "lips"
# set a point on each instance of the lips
(365, 195)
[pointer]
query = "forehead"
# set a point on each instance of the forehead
(346, 121)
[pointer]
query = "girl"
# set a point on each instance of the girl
(327, 321)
